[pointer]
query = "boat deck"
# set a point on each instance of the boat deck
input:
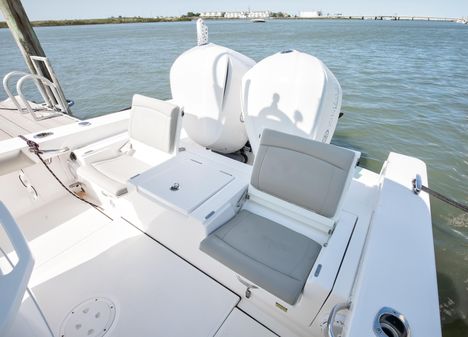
(152, 290)
(147, 263)
(14, 123)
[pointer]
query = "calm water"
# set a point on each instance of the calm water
(405, 88)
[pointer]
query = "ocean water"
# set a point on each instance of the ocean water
(405, 89)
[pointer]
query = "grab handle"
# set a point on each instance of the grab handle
(331, 317)
(62, 105)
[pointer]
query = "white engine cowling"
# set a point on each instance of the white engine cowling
(291, 92)
(206, 81)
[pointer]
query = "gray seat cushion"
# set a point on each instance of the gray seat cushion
(301, 171)
(268, 254)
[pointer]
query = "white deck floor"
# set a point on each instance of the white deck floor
(81, 254)
(14, 123)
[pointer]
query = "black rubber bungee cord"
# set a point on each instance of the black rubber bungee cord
(34, 148)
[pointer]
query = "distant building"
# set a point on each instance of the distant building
(310, 14)
(212, 14)
(259, 14)
(236, 15)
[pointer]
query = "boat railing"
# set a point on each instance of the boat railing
(42, 63)
(54, 102)
(11, 96)
(332, 317)
(54, 109)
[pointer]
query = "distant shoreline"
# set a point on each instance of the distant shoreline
(125, 20)
(112, 20)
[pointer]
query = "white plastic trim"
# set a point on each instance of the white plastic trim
(308, 218)
(14, 284)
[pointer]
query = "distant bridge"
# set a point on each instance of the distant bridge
(384, 17)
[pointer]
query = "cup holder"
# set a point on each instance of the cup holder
(390, 323)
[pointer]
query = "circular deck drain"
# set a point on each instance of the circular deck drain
(390, 323)
(92, 318)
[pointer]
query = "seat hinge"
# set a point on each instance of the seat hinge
(127, 148)
(241, 201)
(249, 286)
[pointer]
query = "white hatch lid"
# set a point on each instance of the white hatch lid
(183, 183)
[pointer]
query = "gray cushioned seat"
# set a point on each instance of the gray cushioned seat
(306, 173)
(153, 123)
(272, 256)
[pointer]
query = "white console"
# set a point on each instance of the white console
(188, 183)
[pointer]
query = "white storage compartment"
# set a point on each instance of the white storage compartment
(206, 82)
(182, 183)
(292, 92)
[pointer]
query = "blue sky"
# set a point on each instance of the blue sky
(70, 9)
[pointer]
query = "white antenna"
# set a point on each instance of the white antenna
(202, 32)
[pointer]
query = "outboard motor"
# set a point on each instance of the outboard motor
(291, 92)
(206, 81)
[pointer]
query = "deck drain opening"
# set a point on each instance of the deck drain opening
(390, 323)
(392, 326)
(91, 318)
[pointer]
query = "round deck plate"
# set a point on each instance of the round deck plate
(91, 318)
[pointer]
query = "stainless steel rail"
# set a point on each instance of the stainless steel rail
(12, 97)
(54, 104)
(331, 317)
(56, 110)
(58, 95)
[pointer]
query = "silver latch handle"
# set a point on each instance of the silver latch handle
(248, 292)
(331, 317)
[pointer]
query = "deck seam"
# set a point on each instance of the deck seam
(203, 272)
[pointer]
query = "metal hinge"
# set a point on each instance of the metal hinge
(249, 286)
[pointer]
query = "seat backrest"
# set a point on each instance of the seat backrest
(154, 122)
(304, 172)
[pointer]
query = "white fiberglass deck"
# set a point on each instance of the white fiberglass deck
(14, 123)
(81, 254)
